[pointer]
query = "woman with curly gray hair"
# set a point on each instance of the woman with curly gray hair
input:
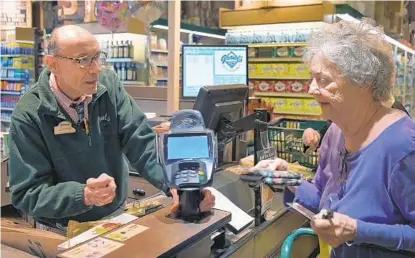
(366, 174)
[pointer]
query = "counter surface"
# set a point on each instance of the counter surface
(166, 237)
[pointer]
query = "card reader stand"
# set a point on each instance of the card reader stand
(229, 130)
(189, 207)
(192, 174)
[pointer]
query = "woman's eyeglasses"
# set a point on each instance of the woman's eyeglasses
(87, 62)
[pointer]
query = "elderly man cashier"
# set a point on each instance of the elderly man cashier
(68, 135)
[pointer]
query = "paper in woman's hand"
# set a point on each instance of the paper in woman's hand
(302, 210)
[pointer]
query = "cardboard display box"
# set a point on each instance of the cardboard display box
(19, 234)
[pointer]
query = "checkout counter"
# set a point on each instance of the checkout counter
(257, 240)
(260, 241)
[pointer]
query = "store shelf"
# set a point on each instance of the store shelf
(119, 60)
(18, 41)
(162, 79)
(17, 55)
(12, 79)
(275, 59)
(283, 94)
(278, 78)
(299, 44)
(9, 92)
(159, 51)
(16, 68)
(133, 83)
(295, 113)
(6, 109)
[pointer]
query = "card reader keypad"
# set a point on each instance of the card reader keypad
(189, 176)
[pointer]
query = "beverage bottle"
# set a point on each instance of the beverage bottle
(121, 50)
(131, 49)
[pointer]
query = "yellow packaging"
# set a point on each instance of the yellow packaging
(299, 70)
(266, 70)
(312, 107)
(295, 105)
(281, 105)
(252, 70)
(281, 70)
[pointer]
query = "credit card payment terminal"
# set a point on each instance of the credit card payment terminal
(188, 154)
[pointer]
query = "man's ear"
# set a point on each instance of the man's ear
(50, 62)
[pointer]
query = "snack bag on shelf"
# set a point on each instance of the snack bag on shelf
(297, 51)
(295, 105)
(281, 105)
(300, 86)
(299, 70)
(281, 52)
(281, 86)
(252, 52)
(252, 70)
(266, 70)
(264, 86)
(281, 70)
(311, 106)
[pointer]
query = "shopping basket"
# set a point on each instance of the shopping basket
(286, 135)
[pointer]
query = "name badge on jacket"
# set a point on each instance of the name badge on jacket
(64, 127)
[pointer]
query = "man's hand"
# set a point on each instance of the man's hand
(336, 231)
(100, 191)
(206, 205)
(311, 138)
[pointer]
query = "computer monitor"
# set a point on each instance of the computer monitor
(220, 106)
(212, 65)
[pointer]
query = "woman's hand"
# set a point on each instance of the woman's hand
(311, 138)
(271, 164)
(335, 231)
(278, 165)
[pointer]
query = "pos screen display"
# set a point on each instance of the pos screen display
(187, 147)
(205, 65)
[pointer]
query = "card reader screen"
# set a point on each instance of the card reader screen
(188, 147)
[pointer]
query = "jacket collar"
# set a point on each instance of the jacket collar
(48, 103)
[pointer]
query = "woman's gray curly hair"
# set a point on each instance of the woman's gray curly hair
(360, 52)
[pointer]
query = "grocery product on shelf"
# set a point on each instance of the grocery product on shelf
(12, 86)
(279, 71)
(118, 49)
(16, 48)
(126, 71)
(8, 102)
(17, 61)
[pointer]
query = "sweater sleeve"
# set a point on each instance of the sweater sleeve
(309, 194)
(395, 237)
(137, 138)
(31, 175)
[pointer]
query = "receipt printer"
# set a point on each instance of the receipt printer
(188, 154)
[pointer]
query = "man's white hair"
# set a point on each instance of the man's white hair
(359, 51)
